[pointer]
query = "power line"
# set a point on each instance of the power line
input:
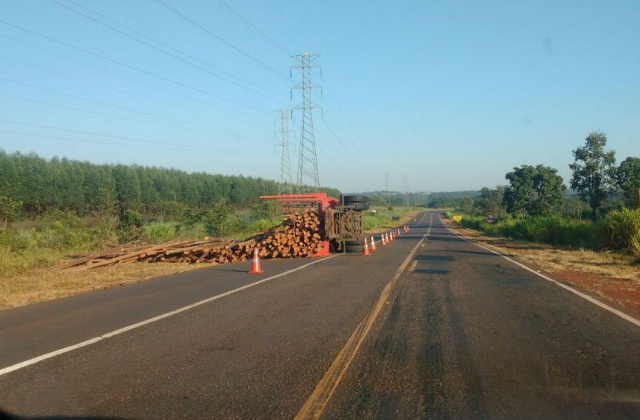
(89, 112)
(47, 136)
(107, 104)
(101, 85)
(194, 58)
(197, 147)
(196, 24)
(165, 52)
(128, 66)
(333, 133)
(349, 138)
(256, 28)
(190, 98)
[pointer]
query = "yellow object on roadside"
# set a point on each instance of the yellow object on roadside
(456, 219)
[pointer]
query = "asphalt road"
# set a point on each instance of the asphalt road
(462, 333)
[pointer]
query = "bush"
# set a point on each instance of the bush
(173, 210)
(235, 224)
(262, 225)
(9, 209)
(15, 241)
(66, 218)
(620, 229)
(159, 232)
(59, 230)
(104, 231)
(553, 230)
(265, 210)
(61, 237)
(215, 219)
(129, 226)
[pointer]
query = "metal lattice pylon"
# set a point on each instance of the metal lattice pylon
(285, 186)
(307, 158)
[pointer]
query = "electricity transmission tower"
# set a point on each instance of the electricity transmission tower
(285, 186)
(406, 190)
(307, 159)
(386, 188)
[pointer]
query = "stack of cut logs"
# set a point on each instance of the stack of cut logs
(297, 236)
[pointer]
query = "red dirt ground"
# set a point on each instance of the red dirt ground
(622, 291)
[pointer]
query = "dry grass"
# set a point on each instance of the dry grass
(48, 283)
(552, 259)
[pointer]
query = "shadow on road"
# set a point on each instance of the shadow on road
(434, 258)
(491, 254)
(6, 416)
(431, 271)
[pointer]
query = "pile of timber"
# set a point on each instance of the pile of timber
(297, 236)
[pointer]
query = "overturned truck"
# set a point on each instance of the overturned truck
(341, 219)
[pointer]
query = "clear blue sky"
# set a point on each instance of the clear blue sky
(451, 93)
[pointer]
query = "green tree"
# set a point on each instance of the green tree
(215, 218)
(533, 190)
(464, 205)
(265, 210)
(490, 201)
(128, 189)
(9, 210)
(593, 171)
(627, 178)
(129, 226)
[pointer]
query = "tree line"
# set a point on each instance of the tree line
(31, 185)
(540, 191)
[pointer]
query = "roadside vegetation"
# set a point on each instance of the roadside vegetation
(57, 207)
(379, 218)
(31, 249)
(600, 214)
(51, 210)
(50, 237)
(618, 230)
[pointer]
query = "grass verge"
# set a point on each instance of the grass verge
(379, 219)
(48, 283)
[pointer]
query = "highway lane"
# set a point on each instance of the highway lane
(469, 335)
(37, 329)
(253, 354)
(463, 334)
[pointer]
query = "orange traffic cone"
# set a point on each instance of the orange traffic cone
(255, 265)
(383, 240)
(366, 249)
(390, 236)
(373, 244)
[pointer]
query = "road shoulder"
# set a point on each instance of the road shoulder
(609, 277)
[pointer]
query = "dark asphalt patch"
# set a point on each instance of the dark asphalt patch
(431, 271)
(433, 258)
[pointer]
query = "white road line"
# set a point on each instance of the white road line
(46, 356)
(604, 306)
